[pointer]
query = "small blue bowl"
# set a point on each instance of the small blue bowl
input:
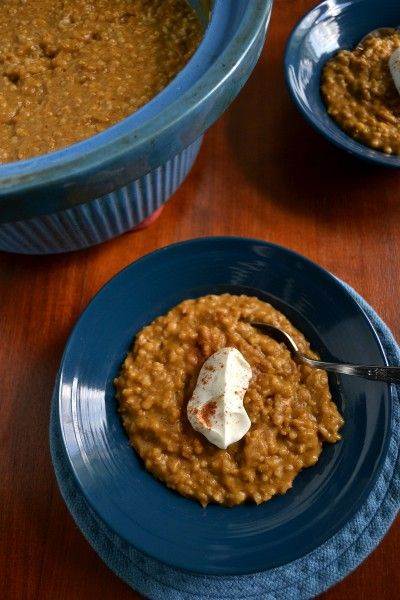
(101, 187)
(142, 510)
(327, 28)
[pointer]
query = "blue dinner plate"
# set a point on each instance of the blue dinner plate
(142, 510)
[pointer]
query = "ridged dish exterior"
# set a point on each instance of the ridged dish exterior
(103, 218)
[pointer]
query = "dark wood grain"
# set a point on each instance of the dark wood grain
(262, 172)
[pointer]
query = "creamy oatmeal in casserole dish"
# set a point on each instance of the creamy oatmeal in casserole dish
(289, 405)
(71, 68)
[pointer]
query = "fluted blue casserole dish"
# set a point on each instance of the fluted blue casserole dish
(101, 187)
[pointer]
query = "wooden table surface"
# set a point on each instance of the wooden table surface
(262, 172)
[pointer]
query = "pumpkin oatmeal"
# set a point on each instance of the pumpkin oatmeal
(360, 93)
(71, 68)
(289, 405)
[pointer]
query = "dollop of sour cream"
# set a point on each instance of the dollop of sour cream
(394, 66)
(216, 408)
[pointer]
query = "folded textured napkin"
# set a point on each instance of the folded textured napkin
(301, 579)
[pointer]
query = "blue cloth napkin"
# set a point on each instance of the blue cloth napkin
(302, 579)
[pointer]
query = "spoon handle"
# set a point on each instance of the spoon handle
(388, 374)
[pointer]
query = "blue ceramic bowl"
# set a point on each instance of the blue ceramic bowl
(330, 26)
(99, 188)
(142, 510)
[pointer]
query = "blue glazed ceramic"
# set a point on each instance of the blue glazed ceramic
(145, 512)
(330, 26)
(98, 188)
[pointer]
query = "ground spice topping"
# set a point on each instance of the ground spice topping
(207, 412)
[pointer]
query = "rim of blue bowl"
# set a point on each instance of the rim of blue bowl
(57, 396)
(113, 143)
(341, 139)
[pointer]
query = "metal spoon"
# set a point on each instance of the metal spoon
(388, 374)
(378, 32)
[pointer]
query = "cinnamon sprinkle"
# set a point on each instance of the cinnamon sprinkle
(206, 412)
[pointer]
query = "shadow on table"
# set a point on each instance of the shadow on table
(292, 164)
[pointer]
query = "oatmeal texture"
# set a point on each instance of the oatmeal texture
(360, 94)
(289, 405)
(71, 68)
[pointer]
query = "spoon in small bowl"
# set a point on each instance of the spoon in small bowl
(376, 373)
(379, 32)
(394, 59)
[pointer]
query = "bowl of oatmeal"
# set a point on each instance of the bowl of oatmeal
(290, 408)
(104, 105)
(340, 79)
(314, 443)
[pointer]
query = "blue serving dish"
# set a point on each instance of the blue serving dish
(330, 26)
(103, 186)
(142, 510)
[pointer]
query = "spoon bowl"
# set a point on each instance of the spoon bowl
(373, 372)
(377, 32)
